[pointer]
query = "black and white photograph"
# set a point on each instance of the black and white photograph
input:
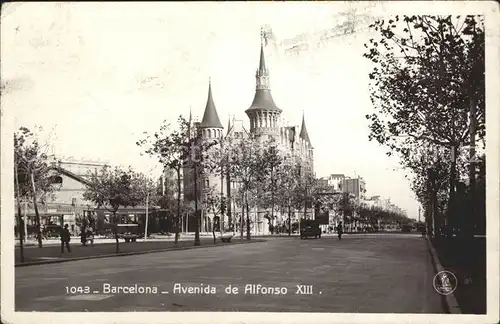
(241, 162)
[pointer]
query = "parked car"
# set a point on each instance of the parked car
(407, 228)
(310, 229)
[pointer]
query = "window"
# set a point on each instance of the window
(207, 183)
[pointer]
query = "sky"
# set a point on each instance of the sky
(96, 76)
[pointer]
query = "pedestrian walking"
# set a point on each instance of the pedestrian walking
(83, 236)
(65, 238)
(339, 230)
(90, 236)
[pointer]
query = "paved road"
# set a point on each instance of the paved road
(368, 273)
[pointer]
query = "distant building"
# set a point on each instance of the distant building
(355, 186)
(66, 203)
(336, 181)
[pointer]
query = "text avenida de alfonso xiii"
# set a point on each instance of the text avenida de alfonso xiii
(195, 289)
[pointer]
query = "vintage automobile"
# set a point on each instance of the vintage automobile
(310, 228)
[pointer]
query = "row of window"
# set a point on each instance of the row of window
(212, 133)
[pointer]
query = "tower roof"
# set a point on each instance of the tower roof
(262, 61)
(210, 117)
(263, 99)
(303, 131)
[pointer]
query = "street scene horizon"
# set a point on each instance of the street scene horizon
(166, 161)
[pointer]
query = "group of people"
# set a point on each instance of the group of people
(86, 235)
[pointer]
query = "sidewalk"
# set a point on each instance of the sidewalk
(101, 240)
(467, 260)
(51, 253)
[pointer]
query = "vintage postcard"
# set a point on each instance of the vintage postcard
(250, 162)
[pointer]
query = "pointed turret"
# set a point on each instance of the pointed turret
(262, 99)
(303, 131)
(210, 117)
(228, 124)
(262, 62)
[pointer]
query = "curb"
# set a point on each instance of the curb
(449, 301)
(27, 264)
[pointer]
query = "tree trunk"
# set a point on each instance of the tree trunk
(115, 229)
(248, 217)
(470, 217)
(242, 218)
(221, 221)
(213, 229)
(289, 220)
(272, 207)
(272, 199)
(37, 214)
(196, 213)
(229, 205)
(20, 226)
(176, 222)
(452, 212)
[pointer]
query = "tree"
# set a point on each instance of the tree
(305, 189)
(33, 173)
(171, 148)
(147, 192)
(270, 185)
(216, 204)
(288, 185)
(114, 188)
(248, 166)
(428, 84)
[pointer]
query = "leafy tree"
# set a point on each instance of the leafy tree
(33, 172)
(216, 204)
(426, 72)
(288, 185)
(270, 186)
(171, 148)
(428, 78)
(147, 191)
(114, 188)
(248, 166)
(305, 190)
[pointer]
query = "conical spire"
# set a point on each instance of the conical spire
(262, 99)
(303, 130)
(228, 123)
(262, 62)
(210, 117)
(190, 122)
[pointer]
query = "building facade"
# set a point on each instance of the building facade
(66, 203)
(264, 119)
(355, 186)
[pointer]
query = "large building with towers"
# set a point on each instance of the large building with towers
(265, 122)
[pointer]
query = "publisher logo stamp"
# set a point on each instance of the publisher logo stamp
(445, 282)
